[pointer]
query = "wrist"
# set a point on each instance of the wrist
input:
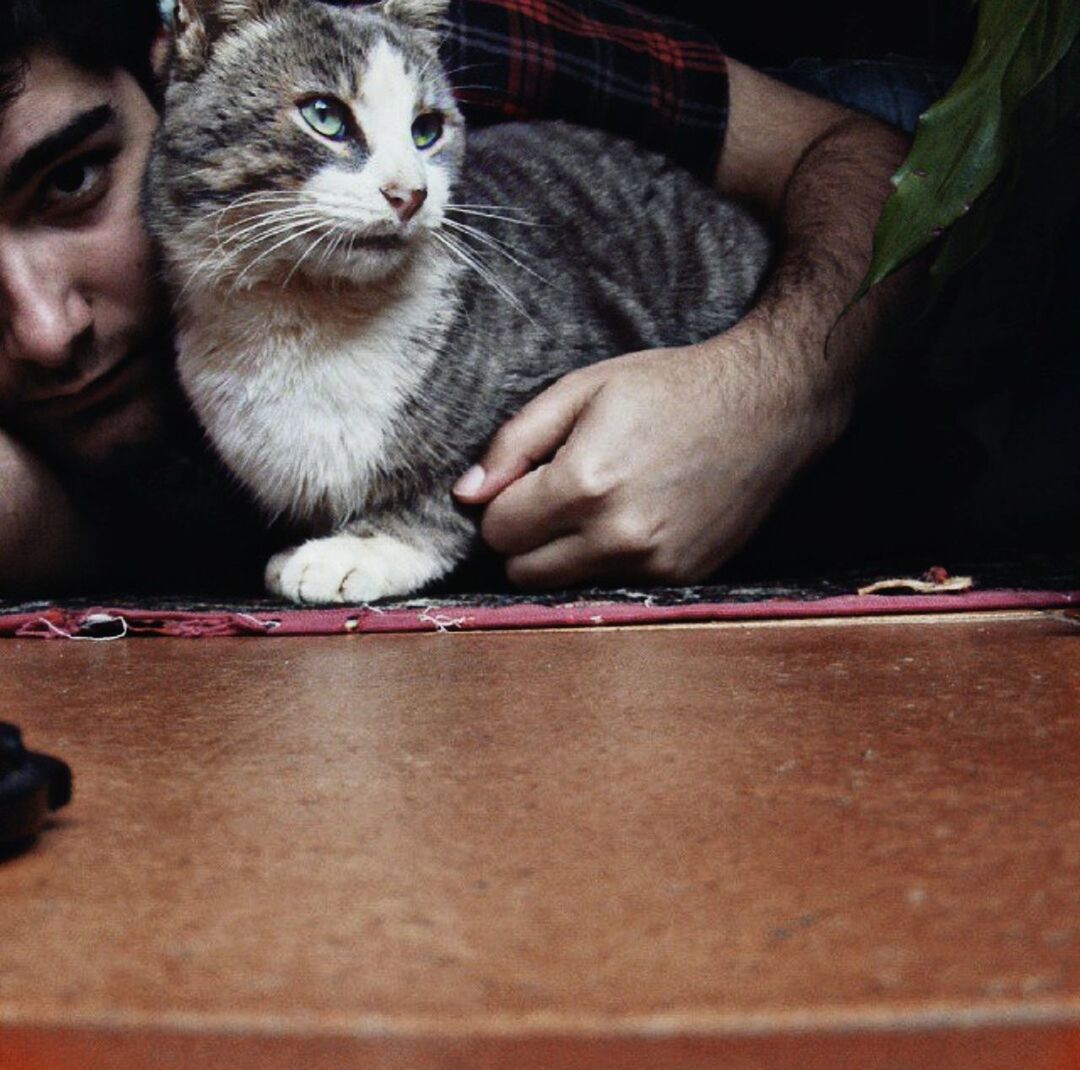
(785, 378)
(825, 222)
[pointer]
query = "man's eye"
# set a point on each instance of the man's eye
(72, 178)
(73, 183)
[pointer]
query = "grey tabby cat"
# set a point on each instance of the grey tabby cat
(362, 298)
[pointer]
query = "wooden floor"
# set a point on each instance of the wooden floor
(813, 845)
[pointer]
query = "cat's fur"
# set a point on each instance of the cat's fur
(347, 361)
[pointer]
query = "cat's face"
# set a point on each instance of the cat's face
(305, 139)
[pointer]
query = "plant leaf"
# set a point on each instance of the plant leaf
(964, 139)
(1042, 112)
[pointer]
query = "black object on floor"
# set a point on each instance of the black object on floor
(31, 785)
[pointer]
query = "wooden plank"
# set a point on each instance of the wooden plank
(159, 1048)
(627, 848)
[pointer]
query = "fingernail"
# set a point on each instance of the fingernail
(470, 482)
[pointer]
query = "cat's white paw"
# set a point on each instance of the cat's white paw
(350, 568)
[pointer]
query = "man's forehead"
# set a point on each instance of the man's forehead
(53, 92)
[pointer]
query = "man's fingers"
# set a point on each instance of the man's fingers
(525, 440)
(527, 514)
(564, 562)
(576, 558)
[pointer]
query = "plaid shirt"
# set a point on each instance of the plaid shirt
(595, 62)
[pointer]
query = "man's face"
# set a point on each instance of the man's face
(82, 358)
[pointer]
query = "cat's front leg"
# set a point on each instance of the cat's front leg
(354, 568)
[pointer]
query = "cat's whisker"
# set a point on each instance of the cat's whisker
(463, 210)
(251, 226)
(479, 86)
(277, 245)
(479, 232)
(467, 257)
(254, 233)
(310, 249)
(246, 211)
(213, 260)
(261, 195)
(214, 265)
(489, 87)
(275, 198)
(337, 235)
(253, 208)
(246, 257)
(432, 61)
(326, 255)
(257, 230)
(348, 211)
(497, 245)
(294, 235)
(500, 212)
(500, 207)
(178, 301)
(243, 204)
(266, 221)
(451, 71)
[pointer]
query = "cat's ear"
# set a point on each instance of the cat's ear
(191, 41)
(425, 15)
(196, 24)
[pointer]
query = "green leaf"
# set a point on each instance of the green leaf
(965, 139)
(1040, 115)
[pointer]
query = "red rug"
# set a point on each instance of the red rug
(934, 591)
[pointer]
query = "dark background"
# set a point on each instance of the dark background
(977, 448)
(770, 33)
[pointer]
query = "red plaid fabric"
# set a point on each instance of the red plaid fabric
(596, 62)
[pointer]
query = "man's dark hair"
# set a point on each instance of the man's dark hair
(97, 35)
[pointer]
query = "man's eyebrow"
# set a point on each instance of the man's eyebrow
(51, 147)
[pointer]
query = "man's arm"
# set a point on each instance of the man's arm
(660, 465)
(43, 544)
(821, 172)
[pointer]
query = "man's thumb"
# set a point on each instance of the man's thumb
(525, 440)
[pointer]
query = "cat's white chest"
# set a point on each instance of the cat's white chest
(299, 404)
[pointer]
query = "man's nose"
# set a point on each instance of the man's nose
(41, 312)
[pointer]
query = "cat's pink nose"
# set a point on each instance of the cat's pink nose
(405, 202)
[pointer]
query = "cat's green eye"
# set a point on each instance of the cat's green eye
(326, 116)
(427, 129)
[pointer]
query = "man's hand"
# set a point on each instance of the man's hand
(660, 465)
(657, 466)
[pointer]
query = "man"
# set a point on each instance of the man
(77, 294)
(654, 465)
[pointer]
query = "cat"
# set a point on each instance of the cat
(363, 295)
